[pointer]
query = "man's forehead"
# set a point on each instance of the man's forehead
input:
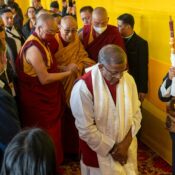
(99, 18)
(50, 24)
(120, 22)
(69, 24)
(116, 67)
(85, 13)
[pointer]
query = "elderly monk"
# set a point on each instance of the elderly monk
(107, 116)
(71, 52)
(97, 35)
(40, 90)
(70, 55)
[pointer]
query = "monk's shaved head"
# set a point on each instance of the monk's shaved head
(45, 26)
(100, 20)
(43, 19)
(69, 21)
(68, 28)
(100, 12)
(112, 54)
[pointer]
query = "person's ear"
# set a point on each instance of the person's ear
(59, 26)
(108, 19)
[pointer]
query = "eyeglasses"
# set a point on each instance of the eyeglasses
(67, 31)
(115, 74)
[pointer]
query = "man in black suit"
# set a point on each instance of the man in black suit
(137, 53)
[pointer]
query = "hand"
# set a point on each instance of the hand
(62, 68)
(120, 153)
(141, 96)
(171, 73)
(73, 68)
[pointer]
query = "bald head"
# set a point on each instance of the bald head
(100, 12)
(43, 19)
(68, 28)
(46, 26)
(69, 21)
(112, 54)
(99, 20)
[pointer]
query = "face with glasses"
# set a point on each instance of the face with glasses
(114, 72)
(68, 29)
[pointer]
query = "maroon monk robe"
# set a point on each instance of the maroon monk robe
(41, 105)
(89, 156)
(110, 36)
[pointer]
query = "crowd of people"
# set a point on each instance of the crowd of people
(80, 90)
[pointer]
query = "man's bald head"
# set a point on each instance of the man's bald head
(69, 21)
(100, 12)
(112, 54)
(99, 20)
(43, 19)
(45, 26)
(68, 28)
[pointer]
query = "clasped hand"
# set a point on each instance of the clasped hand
(70, 67)
(120, 153)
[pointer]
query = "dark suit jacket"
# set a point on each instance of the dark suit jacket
(11, 48)
(137, 53)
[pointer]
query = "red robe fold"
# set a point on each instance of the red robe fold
(110, 36)
(40, 105)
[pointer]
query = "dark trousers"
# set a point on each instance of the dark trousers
(173, 152)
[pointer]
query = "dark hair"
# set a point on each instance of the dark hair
(14, 6)
(86, 8)
(9, 2)
(5, 10)
(31, 152)
(31, 7)
(54, 4)
(127, 18)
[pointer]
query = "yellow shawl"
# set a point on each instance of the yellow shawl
(73, 53)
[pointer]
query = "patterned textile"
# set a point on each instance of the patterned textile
(149, 163)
